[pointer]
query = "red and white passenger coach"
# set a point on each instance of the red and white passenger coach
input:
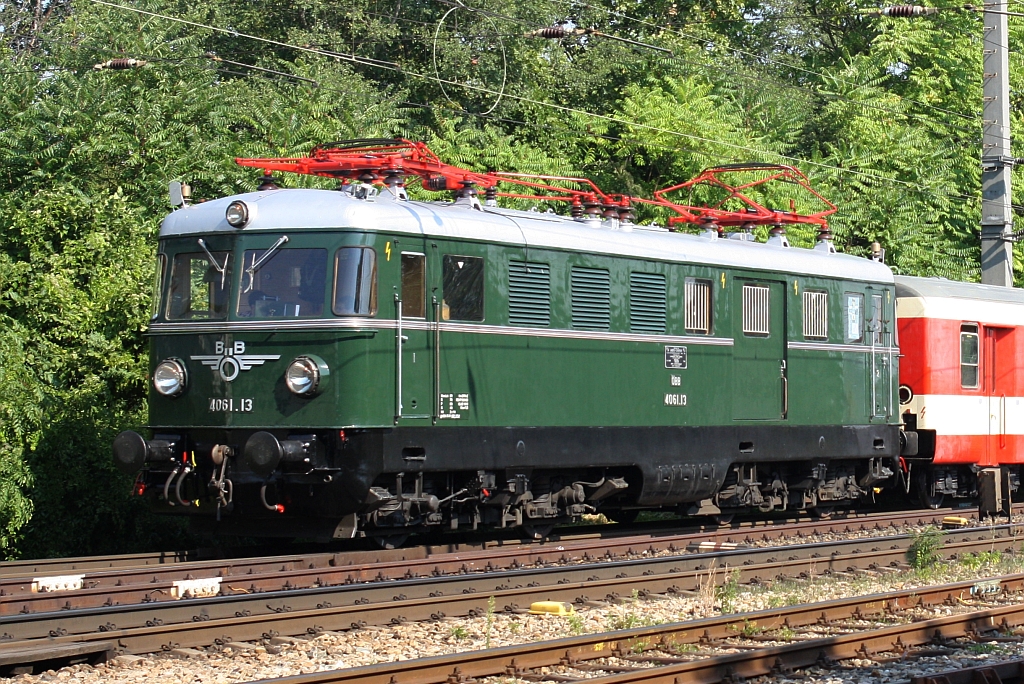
(961, 382)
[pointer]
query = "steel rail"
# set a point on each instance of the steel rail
(1006, 672)
(20, 595)
(513, 660)
(163, 626)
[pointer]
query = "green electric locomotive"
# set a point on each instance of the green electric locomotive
(336, 362)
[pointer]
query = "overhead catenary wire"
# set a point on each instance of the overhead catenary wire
(391, 66)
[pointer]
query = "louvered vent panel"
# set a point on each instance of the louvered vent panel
(591, 297)
(816, 315)
(529, 293)
(698, 306)
(755, 309)
(647, 302)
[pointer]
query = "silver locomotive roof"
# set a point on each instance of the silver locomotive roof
(283, 210)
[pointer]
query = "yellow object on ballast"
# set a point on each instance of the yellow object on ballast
(955, 521)
(551, 608)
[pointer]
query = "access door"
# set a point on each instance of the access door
(413, 348)
(760, 385)
(998, 368)
(880, 332)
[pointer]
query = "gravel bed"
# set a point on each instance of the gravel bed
(334, 650)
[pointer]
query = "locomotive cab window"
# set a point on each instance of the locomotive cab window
(854, 322)
(355, 282)
(414, 287)
(815, 315)
(199, 287)
(969, 375)
(158, 284)
(462, 287)
(698, 306)
(285, 283)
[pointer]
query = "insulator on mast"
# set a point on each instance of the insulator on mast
(576, 209)
(903, 11)
(553, 32)
(491, 196)
(120, 63)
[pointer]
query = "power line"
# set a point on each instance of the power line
(391, 66)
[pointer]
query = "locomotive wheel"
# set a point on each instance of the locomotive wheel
(821, 512)
(535, 531)
(922, 478)
(722, 519)
(393, 541)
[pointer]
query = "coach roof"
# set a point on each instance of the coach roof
(285, 210)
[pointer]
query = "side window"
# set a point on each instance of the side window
(199, 287)
(158, 284)
(815, 315)
(414, 288)
(355, 282)
(854, 327)
(969, 356)
(876, 327)
(529, 293)
(698, 306)
(755, 310)
(647, 295)
(591, 298)
(462, 287)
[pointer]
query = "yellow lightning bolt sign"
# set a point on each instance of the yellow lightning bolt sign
(387, 250)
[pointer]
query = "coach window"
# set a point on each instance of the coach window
(414, 290)
(756, 314)
(854, 323)
(355, 282)
(969, 356)
(462, 288)
(199, 286)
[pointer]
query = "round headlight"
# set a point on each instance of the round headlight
(169, 378)
(237, 214)
(304, 375)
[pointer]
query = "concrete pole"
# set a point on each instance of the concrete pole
(996, 157)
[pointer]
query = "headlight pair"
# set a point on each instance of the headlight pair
(306, 376)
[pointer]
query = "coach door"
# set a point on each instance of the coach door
(413, 350)
(760, 383)
(998, 371)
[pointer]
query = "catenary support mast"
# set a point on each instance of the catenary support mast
(996, 157)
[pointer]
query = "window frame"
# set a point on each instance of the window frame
(847, 298)
(807, 298)
(217, 253)
(970, 330)
(423, 282)
(445, 307)
(158, 286)
(279, 252)
(709, 309)
(373, 284)
(767, 296)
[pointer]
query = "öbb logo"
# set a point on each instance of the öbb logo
(230, 359)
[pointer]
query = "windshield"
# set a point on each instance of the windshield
(198, 287)
(290, 283)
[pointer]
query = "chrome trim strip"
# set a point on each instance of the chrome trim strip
(210, 327)
(825, 346)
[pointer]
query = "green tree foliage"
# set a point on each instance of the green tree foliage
(881, 114)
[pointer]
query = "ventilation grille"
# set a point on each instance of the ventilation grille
(755, 309)
(647, 302)
(529, 293)
(816, 315)
(591, 294)
(698, 306)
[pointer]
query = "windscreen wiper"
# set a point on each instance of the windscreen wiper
(220, 268)
(256, 263)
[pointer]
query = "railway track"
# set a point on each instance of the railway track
(21, 594)
(161, 626)
(692, 651)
